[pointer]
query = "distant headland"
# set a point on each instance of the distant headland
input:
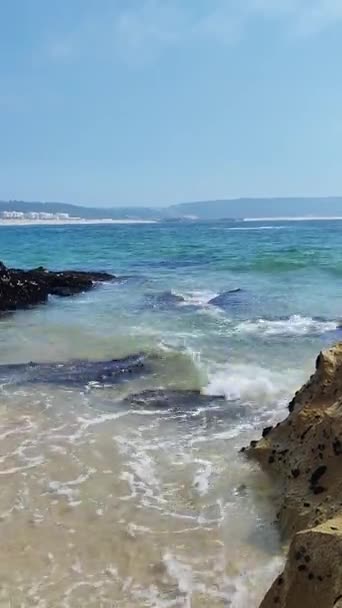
(258, 209)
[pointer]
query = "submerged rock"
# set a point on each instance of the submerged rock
(165, 299)
(304, 455)
(74, 373)
(190, 406)
(173, 399)
(225, 299)
(23, 288)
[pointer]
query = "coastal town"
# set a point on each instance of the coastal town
(35, 216)
(31, 218)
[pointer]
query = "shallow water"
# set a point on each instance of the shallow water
(104, 502)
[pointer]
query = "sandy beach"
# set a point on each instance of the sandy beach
(293, 219)
(71, 221)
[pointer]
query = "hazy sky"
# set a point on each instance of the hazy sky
(159, 101)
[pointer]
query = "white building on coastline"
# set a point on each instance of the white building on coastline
(12, 215)
(35, 216)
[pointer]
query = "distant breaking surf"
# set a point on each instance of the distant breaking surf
(71, 222)
(293, 219)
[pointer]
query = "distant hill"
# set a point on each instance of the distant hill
(204, 210)
(82, 211)
(258, 207)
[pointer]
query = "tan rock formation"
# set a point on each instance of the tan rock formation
(313, 573)
(304, 455)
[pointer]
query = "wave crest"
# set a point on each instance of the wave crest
(252, 383)
(296, 325)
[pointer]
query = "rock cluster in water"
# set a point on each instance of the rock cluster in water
(75, 372)
(23, 288)
(304, 455)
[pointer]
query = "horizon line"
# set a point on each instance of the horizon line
(167, 205)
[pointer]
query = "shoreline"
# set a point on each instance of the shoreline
(317, 218)
(78, 467)
(302, 455)
(71, 222)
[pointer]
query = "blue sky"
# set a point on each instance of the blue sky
(162, 101)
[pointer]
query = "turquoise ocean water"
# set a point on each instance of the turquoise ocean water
(107, 506)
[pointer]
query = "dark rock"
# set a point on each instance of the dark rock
(337, 446)
(303, 435)
(24, 288)
(165, 299)
(190, 407)
(174, 400)
(267, 431)
(319, 361)
(317, 474)
(318, 490)
(225, 299)
(292, 404)
(76, 373)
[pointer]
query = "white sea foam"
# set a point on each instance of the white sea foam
(304, 218)
(251, 383)
(70, 489)
(182, 573)
(247, 588)
(158, 472)
(243, 228)
(197, 297)
(62, 489)
(141, 475)
(202, 477)
(296, 325)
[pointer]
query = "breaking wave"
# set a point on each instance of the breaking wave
(252, 383)
(197, 297)
(296, 325)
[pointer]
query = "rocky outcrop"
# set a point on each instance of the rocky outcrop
(75, 372)
(23, 288)
(225, 299)
(304, 456)
(313, 572)
(182, 402)
(166, 299)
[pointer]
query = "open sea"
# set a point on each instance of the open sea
(109, 501)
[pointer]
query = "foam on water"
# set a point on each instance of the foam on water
(106, 503)
(140, 472)
(196, 297)
(256, 228)
(252, 383)
(246, 587)
(296, 325)
(202, 476)
(160, 489)
(181, 573)
(69, 489)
